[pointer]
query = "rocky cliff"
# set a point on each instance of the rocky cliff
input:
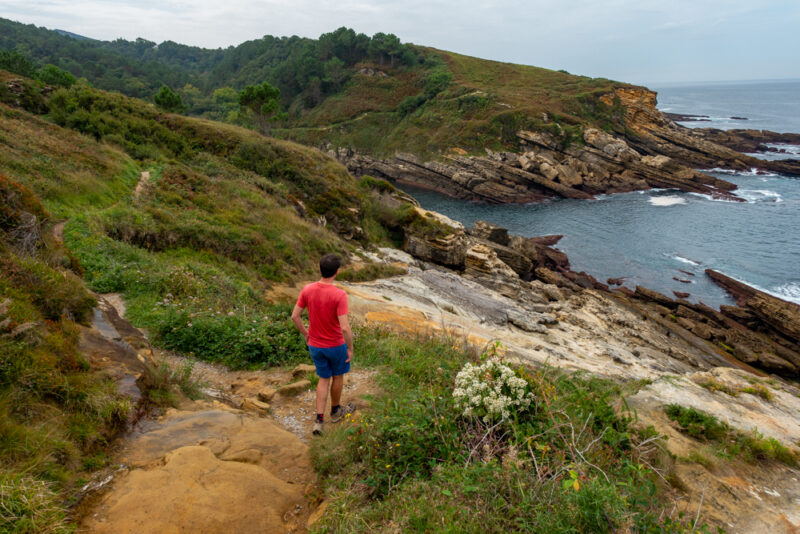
(646, 151)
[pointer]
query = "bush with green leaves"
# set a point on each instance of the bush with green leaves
(168, 100)
(239, 340)
(726, 441)
(52, 75)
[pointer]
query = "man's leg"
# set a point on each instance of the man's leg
(336, 390)
(322, 393)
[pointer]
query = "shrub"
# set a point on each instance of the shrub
(729, 442)
(164, 382)
(437, 82)
(696, 423)
(490, 391)
(239, 340)
(168, 100)
(411, 103)
(50, 74)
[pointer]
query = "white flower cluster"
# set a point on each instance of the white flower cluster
(490, 391)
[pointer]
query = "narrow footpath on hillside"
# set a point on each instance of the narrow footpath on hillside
(235, 461)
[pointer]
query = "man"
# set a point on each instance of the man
(329, 337)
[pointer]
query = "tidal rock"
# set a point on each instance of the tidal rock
(780, 315)
(490, 232)
(681, 294)
(518, 262)
(557, 279)
(654, 296)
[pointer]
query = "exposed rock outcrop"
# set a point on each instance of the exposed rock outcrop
(748, 141)
(762, 331)
(651, 133)
(647, 151)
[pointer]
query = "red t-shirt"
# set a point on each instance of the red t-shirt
(325, 303)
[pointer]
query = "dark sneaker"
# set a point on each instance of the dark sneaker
(317, 428)
(342, 411)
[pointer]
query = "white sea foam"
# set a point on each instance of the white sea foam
(790, 292)
(751, 172)
(667, 200)
(685, 260)
(759, 195)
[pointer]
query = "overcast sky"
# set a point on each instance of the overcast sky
(639, 41)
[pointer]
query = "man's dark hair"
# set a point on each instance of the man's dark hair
(329, 264)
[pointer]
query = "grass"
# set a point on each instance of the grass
(412, 463)
(371, 271)
(713, 385)
(166, 384)
(484, 105)
(759, 390)
(727, 442)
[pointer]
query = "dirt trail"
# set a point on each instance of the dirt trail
(224, 464)
(58, 232)
(143, 181)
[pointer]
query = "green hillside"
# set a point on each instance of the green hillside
(374, 94)
(223, 212)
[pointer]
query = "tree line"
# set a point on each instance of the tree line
(208, 82)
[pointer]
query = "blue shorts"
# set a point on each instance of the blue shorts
(330, 361)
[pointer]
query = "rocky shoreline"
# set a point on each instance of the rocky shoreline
(653, 152)
(761, 331)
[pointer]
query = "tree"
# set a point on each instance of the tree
(335, 73)
(50, 74)
(13, 61)
(168, 100)
(226, 102)
(264, 101)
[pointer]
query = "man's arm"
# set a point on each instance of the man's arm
(348, 335)
(298, 321)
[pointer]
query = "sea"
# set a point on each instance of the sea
(665, 239)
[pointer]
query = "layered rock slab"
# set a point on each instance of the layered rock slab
(209, 470)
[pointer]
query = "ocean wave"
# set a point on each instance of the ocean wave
(713, 199)
(789, 292)
(751, 196)
(752, 172)
(790, 149)
(667, 200)
(759, 195)
(684, 260)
